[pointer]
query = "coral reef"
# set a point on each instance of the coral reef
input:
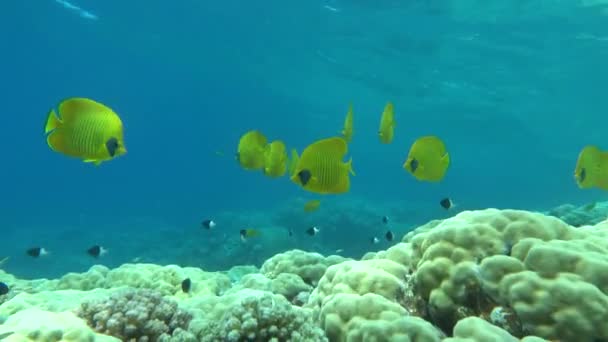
(138, 315)
(584, 215)
(486, 275)
(253, 315)
(35, 325)
(308, 266)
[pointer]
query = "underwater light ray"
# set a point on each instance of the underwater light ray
(81, 12)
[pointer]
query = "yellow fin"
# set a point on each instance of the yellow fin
(96, 162)
(52, 121)
(446, 159)
(387, 124)
(335, 146)
(349, 166)
(69, 108)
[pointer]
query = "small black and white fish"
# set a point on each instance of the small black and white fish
(96, 251)
(375, 240)
(208, 224)
(312, 231)
(186, 285)
(389, 236)
(385, 219)
(36, 252)
(3, 288)
(446, 203)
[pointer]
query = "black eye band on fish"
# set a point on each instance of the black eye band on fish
(583, 175)
(304, 176)
(414, 165)
(112, 146)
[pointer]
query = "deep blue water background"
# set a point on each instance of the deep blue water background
(515, 92)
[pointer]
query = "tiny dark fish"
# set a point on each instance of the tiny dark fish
(375, 240)
(112, 146)
(304, 176)
(96, 251)
(414, 165)
(446, 203)
(389, 235)
(312, 231)
(36, 252)
(290, 232)
(186, 285)
(3, 289)
(385, 219)
(208, 224)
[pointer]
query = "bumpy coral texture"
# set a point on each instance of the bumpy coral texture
(307, 265)
(252, 315)
(526, 272)
(368, 300)
(164, 279)
(35, 325)
(138, 315)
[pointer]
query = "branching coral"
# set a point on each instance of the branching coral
(137, 315)
(252, 315)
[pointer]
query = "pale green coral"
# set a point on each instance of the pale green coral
(371, 317)
(288, 285)
(54, 301)
(473, 329)
(36, 325)
(307, 265)
(164, 279)
(524, 272)
(252, 315)
(367, 301)
(475, 261)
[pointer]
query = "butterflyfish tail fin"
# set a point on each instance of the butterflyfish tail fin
(446, 159)
(52, 122)
(349, 166)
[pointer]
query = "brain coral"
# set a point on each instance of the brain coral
(307, 265)
(368, 301)
(164, 279)
(550, 277)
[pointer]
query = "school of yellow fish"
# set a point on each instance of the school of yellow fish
(91, 131)
(321, 168)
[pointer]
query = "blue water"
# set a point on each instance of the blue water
(514, 90)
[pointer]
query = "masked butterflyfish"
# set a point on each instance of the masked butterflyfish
(248, 233)
(250, 152)
(321, 169)
(275, 159)
(85, 129)
(347, 131)
(591, 168)
(387, 124)
(311, 205)
(428, 159)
